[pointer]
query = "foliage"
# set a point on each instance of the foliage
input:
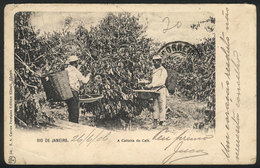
(205, 68)
(27, 84)
(117, 54)
(208, 24)
(196, 78)
(26, 48)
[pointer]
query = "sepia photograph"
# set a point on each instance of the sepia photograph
(111, 70)
(127, 79)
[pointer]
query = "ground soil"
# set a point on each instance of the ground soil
(181, 114)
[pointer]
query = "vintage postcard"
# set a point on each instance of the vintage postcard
(135, 84)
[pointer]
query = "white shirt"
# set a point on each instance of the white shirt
(159, 77)
(75, 77)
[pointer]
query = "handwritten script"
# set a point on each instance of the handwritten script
(170, 26)
(90, 137)
(232, 74)
(175, 148)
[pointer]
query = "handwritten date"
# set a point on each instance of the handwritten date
(93, 136)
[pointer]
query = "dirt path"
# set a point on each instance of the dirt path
(180, 114)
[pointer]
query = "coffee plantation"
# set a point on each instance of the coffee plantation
(116, 52)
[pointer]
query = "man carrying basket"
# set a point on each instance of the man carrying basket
(75, 77)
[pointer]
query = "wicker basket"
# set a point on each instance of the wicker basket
(56, 86)
(147, 94)
(90, 98)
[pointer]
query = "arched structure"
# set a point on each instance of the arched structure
(177, 53)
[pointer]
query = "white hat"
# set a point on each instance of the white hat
(72, 59)
(157, 57)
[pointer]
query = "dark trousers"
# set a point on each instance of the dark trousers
(73, 107)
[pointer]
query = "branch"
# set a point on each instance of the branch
(25, 84)
(39, 57)
(23, 63)
(21, 121)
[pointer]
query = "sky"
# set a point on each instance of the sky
(156, 24)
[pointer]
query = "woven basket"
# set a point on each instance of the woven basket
(90, 98)
(147, 94)
(56, 86)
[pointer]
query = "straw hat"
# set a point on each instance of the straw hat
(157, 57)
(72, 59)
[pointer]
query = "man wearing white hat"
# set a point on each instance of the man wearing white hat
(158, 82)
(75, 77)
